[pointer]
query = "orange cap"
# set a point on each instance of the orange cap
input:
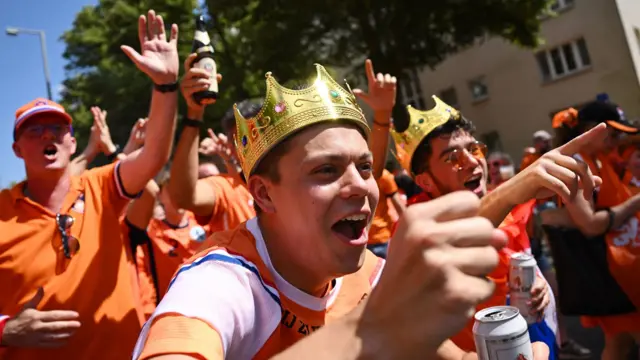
(568, 117)
(39, 106)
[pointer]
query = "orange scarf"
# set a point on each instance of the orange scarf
(623, 243)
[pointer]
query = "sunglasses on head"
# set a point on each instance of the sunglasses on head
(70, 244)
(457, 157)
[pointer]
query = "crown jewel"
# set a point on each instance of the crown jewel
(421, 123)
(286, 111)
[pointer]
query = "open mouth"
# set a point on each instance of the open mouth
(352, 228)
(50, 151)
(473, 183)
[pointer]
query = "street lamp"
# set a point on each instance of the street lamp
(13, 31)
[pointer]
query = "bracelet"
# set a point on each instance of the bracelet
(612, 218)
(380, 124)
(114, 155)
(192, 123)
(166, 88)
(3, 323)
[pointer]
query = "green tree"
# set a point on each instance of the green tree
(99, 73)
(287, 37)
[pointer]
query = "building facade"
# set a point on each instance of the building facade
(591, 47)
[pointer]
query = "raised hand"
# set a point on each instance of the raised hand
(557, 172)
(159, 57)
(195, 80)
(39, 329)
(216, 145)
(105, 143)
(136, 137)
(435, 274)
(382, 90)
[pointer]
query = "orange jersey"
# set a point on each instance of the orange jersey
(382, 223)
(229, 302)
(97, 282)
(173, 246)
(632, 182)
(233, 204)
(623, 247)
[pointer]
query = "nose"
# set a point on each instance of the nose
(48, 133)
(470, 161)
(353, 183)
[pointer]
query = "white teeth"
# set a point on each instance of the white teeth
(355, 217)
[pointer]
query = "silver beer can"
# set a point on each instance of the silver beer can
(522, 276)
(500, 333)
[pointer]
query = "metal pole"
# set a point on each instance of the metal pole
(45, 63)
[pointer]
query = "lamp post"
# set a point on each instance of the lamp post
(13, 31)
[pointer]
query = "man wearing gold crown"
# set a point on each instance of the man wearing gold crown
(302, 262)
(439, 150)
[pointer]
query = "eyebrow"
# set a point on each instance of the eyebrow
(453, 148)
(334, 157)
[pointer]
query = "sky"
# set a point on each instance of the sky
(21, 68)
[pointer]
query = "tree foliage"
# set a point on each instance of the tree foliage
(283, 36)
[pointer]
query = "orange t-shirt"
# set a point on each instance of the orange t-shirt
(233, 206)
(632, 182)
(623, 248)
(230, 302)
(173, 246)
(97, 282)
(382, 223)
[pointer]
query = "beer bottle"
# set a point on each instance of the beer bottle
(202, 46)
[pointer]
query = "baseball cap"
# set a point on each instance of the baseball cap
(38, 106)
(607, 112)
(542, 135)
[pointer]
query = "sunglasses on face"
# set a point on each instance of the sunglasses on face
(457, 157)
(37, 130)
(498, 163)
(70, 244)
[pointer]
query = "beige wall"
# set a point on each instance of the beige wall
(519, 102)
(629, 12)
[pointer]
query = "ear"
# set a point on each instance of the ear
(16, 150)
(74, 145)
(259, 189)
(426, 183)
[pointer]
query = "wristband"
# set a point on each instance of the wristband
(3, 322)
(166, 88)
(612, 217)
(114, 155)
(192, 123)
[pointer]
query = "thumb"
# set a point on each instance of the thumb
(211, 133)
(132, 54)
(35, 300)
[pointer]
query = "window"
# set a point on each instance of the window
(563, 60)
(637, 32)
(450, 97)
(412, 91)
(479, 89)
(559, 5)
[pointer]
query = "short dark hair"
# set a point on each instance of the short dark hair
(420, 160)
(248, 108)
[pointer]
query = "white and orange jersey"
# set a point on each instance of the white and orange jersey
(229, 302)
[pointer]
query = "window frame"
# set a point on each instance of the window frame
(581, 63)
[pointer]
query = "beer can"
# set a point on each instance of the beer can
(500, 333)
(522, 276)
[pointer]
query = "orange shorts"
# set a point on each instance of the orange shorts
(615, 324)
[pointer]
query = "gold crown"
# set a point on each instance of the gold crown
(286, 111)
(421, 123)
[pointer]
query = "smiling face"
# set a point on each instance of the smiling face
(324, 199)
(45, 143)
(457, 162)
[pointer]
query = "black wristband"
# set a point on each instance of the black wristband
(112, 157)
(612, 218)
(166, 88)
(192, 123)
